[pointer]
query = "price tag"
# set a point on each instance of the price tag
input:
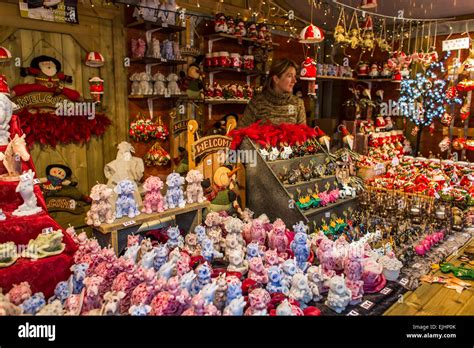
(456, 44)
(167, 93)
(164, 25)
(353, 313)
(403, 281)
(129, 223)
(164, 60)
(36, 181)
(327, 214)
(367, 304)
(386, 291)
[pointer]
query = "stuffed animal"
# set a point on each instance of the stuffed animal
(193, 82)
(173, 87)
(159, 87)
(194, 191)
(154, 201)
(101, 209)
(125, 204)
(174, 196)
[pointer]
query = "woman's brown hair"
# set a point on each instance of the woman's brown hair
(278, 68)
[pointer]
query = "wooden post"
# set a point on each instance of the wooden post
(192, 129)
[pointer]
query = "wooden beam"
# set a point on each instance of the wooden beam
(5, 33)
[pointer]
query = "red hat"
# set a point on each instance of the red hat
(4, 85)
(368, 4)
(311, 34)
(5, 54)
(308, 70)
(369, 25)
(94, 59)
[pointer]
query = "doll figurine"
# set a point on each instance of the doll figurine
(259, 300)
(194, 190)
(300, 290)
(315, 282)
(301, 249)
(237, 263)
(275, 278)
(207, 250)
(125, 204)
(339, 295)
(154, 202)
(257, 271)
(174, 196)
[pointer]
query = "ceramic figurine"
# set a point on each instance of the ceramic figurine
(207, 250)
(125, 204)
(214, 230)
(167, 50)
(92, 299)
(200, 233)
(289, 269)
(112, 300)
(232, 244)
(76, 281)
(234, 289)
(174, 196)
(274, 154)
(26, 189)
(138, 48)
(257, 233)
(286, 152)
(203, 278)
(353, 270)
(159, 86)
(6, 111)
(176, 51)
(33, 304)
(8, 308)
(221, 23)
(54, 308)
(237, 263)
(315, 282)
(141, 310)
(135, 79)
(235, 226)
(45, 245)
(167, 13)
(287, 309)
(258, 300)
(8, 254)
(19, 293)
(374, 70)
(300, 290)
(264, 153)
(173, 87)
(194, 190)
(191, 245)
(257, 271)
(271, 258)
(73, 304)
(145, 86)
(147, 261)
(277, 238)
(275, 278)
(339, 295)
(174, 238)
(301, 249)
(240, 29)
(235, 307)
(187, 280)
(220, 296)
(183, 264)
(154, 201)
(253, 250)
(374, 281)
(252, 32)
(230, 26)
(15, 152)
(131, 253)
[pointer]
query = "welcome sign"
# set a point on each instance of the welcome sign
(209, 144)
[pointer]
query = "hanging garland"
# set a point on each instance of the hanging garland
(425, 98)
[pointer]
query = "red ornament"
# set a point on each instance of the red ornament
(5, 54)
(311, 34)
(94, 59)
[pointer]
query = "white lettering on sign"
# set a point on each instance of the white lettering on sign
(353, 313)
(386, 291)
(456, 44)
(367, 304)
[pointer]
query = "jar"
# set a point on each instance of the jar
(224, 60)
(235, 60)
(208, 60)
(215, 59)
(249, 62)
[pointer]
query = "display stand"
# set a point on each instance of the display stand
(116, 233)
(42, 274)
(266, 194)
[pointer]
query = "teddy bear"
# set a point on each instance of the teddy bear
(174, 196)
(145, 85)
(154, 201)
(125, 204)
(159, 87)
(194, 191)
(173, 87)
(101, 209)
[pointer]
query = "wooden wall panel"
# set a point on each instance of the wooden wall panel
(99, 30)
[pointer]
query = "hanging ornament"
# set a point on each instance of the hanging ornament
(415, 130)
(156, 156)
(465, 85)
(354, 38)
(5, 54)
(311, 35)
(465, 110)
(94, 59)
(4, 85)
(96, 88)
(444, 144)
(431, 129)
(468, 65)
(446, 119)
(161, 132)
(368, 4)
(341, 36)
(368, 34)
(308, 73)
(458, 144)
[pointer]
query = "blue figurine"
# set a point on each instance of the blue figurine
(275, 278)
(300, 249)
(289, 269)
(203, 277)
(141, 310)
(77, 278)
(174, 195)
(234, 290)
(61, 292)
(125, 204)
(175, 239)
(300, 227)
(34, 304)
(161, 257)
(207, 250)
(200, 232)
(253, 250)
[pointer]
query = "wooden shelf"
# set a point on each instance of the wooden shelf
(310, 182)
(335, 78)
(329, 207)
(157, 61)
(226, 101)
(377, 80)
(141, 97)
(242, 40)
(235, 70)
(148, 25)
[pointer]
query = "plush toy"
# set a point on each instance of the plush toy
(101, 209)
(154, 201)
(48, 78)
(192, 83)
(194, 191)
(174, 196)
(125, 204)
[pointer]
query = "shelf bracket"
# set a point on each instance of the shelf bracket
(211, 43)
